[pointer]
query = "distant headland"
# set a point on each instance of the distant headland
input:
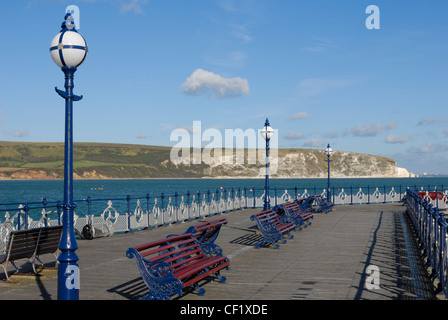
(42, 160)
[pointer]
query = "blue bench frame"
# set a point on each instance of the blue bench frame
(323, 205)
(169, 265)
(294, 214)
(272, 228)
(206, 234)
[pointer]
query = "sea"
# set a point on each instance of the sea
(27, 191)
(35, 191)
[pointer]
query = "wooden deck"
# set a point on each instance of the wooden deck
(330, 260)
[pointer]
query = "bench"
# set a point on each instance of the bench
(306, 204)
(322, 204)
(272, 228)
(30, 244)
(293, 213)
(206, 234)
(169, 265)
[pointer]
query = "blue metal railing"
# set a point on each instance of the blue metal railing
(431, 227)
(130, 213)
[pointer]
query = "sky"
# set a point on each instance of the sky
(322, 71)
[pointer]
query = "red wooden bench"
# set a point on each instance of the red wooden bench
(293, 213)
(172, 264)
(206, 233)
(320, 204)
(272, 228)
(208, 229)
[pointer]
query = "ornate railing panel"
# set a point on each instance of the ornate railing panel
(432, 228)
(109, 216)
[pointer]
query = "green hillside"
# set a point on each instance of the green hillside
(46, 160)
(29, 160)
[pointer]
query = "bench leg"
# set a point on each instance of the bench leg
(6, 271)
(221, 278)
(199, 290)
(264, 241)
(154, 296)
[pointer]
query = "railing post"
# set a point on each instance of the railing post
(128, 199)
(59, 207)
(437, 197)
(26, 208)
(275, 195)
(209, 203)
(368, 194)
(89, 206)
(44, 204)
(245, 198)
(162, 209)
(175, 206)
(188, 204)
(148, 213)
(225, 200)
(351, 195)
(199, 203)
(253, 192)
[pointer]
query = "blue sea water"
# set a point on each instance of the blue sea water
(15, 191)
(33, 191)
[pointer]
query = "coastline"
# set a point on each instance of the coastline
(224, 178)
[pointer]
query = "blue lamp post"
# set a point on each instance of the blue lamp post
(328, 152)
(68, 50)
(267, 132)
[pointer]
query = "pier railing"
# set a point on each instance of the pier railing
(431, 228)
(131, 213)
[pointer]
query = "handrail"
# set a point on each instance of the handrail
(431, 227)
(129, 213)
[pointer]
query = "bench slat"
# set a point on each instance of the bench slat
(176, 258)
(31, 243)
(272, 228)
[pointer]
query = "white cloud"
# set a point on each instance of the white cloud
(424, 121)
(392, 138)
(133, 6)
(331, 135)
(142, 136)
(371, 130)
(18, 133)
(299, 115)
(203, 82)
(429, 148)
(293, 135)
(241, 32)
(314, 143)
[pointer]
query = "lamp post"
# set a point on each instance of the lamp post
(68, 50)
(328, 152)
(267, 132)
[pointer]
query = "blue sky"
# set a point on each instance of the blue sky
(311, 67)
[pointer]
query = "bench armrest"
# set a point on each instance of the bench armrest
(158, 276)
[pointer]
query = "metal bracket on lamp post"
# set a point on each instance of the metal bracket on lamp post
(64, 95)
